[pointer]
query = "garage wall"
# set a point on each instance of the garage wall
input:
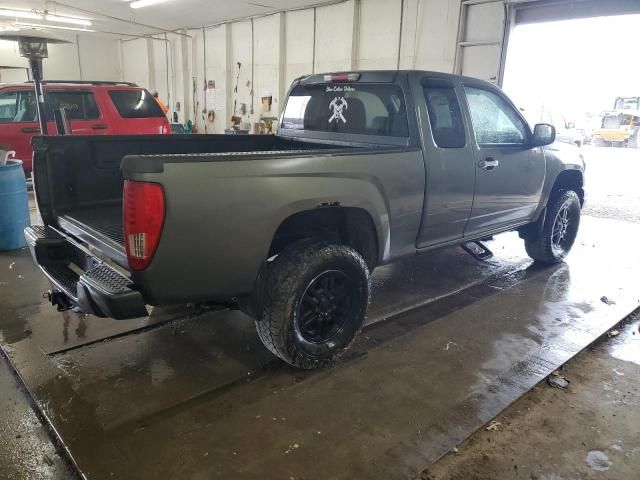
(379, 34)
(437, 34)
(334, 37)
(275, 49)
(135, 61)
(74, 61)
(299, 46)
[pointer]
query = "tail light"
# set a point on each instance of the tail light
(342, 77)
(166, 128)
(144, 208)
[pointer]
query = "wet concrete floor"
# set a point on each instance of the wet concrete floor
(450, 343)
(589, 430)
(26, 450)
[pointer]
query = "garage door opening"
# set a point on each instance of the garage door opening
(582, 75)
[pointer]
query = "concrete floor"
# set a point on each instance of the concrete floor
(451, 342)
(26, 450)
(587, 431)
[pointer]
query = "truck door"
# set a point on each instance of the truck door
(449, 160)
(509, 173)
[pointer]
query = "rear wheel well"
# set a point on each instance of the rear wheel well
(343, 225)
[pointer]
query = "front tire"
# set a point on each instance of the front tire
(314, 302)
(552, 243)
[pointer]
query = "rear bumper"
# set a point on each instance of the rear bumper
(80, 280)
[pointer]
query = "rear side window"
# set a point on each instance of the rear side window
(445, 116)
(364, 109)
(16, 107)
(135, 104)
(79, 105)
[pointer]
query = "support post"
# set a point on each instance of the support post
(36, 71)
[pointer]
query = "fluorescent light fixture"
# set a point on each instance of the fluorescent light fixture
(57, 27)
(144, 3)
(20, 14)
(74, 21)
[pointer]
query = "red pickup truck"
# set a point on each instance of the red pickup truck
(93, 108)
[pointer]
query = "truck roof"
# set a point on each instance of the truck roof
(379, 76)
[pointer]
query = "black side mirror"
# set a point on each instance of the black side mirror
(543, 134)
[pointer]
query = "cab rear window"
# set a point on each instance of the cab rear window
(364, 109)
(135, 104)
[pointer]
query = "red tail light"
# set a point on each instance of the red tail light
(166, 128)
(143, 206)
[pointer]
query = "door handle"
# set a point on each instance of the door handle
(30, 129)
(488, 163)
(99, 126)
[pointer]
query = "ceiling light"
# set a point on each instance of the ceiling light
(20, 14)
(71, 20)
(57, 27)
(144, 3)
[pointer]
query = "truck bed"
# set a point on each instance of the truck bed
(80, 181)
(99, 226)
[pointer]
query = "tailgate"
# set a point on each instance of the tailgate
(80, 279)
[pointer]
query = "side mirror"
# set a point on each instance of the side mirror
(543, 134)
(571, 125)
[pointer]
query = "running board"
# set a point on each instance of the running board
(477, 250)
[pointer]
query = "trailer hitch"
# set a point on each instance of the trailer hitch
(58, 300)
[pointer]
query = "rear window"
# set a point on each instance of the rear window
(135, 104)
(445, 116)
(79, 105)
(364, 109)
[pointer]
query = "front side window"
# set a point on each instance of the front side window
(445, 116)
(495, 122)
(79, 105)
(18, 107)
(364, 109)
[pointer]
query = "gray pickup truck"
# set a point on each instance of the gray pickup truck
(366, 168)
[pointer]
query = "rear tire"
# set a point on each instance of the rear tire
(552, 243)
(314, 302)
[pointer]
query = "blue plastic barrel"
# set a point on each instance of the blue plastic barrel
(14, 206)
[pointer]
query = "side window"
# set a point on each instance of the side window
(495, 122)
(16, 107)
(80, 105)
(445, 116)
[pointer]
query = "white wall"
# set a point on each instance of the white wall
(334, 35)
(87, 57)
(216, 62)
(135, 64)
(437, 34)
(355, 34)
(99, 58)
(267, 57)
(298, 44)
(379, 34)
(241, 45)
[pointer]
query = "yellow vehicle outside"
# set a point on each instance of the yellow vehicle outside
(620, 126)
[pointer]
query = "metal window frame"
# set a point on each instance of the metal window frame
(502, 42)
